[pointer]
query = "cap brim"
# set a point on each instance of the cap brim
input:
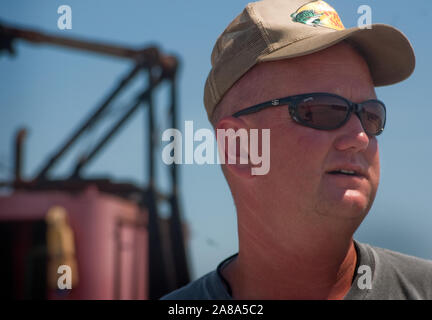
(387, 51)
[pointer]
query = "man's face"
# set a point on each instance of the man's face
(301, 158)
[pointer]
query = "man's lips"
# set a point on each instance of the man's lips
(348, 170)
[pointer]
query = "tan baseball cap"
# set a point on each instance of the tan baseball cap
(270, 30)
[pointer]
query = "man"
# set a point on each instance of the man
(290, 66)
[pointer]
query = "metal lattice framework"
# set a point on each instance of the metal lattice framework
(158, 68)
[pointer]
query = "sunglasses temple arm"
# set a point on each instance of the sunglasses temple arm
(260, 107)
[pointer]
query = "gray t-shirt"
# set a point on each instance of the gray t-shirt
(392, 275)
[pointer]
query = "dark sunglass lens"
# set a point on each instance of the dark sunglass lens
(322, 112)
(373, 117)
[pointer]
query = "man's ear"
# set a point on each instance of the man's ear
(232, 135)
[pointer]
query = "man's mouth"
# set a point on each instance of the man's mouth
(344, 172)
(349, 171)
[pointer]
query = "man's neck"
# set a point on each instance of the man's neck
(314, 271)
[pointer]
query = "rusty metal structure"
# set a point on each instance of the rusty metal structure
(166, 271)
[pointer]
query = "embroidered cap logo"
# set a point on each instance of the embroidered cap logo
(318, 13)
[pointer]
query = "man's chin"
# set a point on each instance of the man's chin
(350, 204)
(356, 202)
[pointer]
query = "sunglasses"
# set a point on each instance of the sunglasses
(327, 111)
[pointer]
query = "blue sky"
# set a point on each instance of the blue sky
(50, 90)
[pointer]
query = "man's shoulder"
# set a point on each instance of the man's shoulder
(400, 276)
(208, 287)
(404, 263)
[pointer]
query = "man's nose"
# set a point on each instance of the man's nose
(352, 135)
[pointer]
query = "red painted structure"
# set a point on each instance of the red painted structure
(111, 242)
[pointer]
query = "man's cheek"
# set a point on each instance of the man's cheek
(375, 167)
(310, 141)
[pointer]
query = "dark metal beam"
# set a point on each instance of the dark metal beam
(19, 141)
(158, 281)
(176, 226)
(146, 56)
